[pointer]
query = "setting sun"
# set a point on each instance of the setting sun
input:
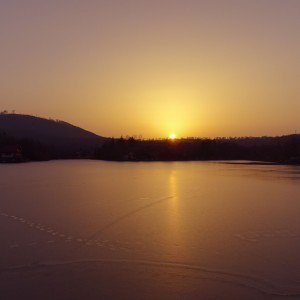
(172, 136)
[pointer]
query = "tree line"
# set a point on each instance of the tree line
(284, 149)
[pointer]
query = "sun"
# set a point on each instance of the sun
(172, 136)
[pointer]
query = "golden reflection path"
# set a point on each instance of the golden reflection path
(177, 246)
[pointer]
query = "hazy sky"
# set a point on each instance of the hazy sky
(152, 67)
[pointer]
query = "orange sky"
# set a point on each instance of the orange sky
(124, 67)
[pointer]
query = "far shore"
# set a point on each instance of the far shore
(230, 162)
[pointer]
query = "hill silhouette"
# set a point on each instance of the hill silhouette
(24, 137)
(42, 138)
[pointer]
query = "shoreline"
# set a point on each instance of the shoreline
(230, 162)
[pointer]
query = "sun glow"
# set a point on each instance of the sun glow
(172, 136)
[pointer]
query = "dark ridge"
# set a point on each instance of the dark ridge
(39, 139)
(23, 126)
(24, 137)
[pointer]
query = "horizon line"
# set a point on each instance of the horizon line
(140, 136)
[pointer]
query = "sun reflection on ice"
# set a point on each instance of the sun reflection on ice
(177, 241)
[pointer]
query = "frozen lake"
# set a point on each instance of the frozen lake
(181, 230)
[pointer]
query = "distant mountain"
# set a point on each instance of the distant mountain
(58, 138)
(24, 137)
